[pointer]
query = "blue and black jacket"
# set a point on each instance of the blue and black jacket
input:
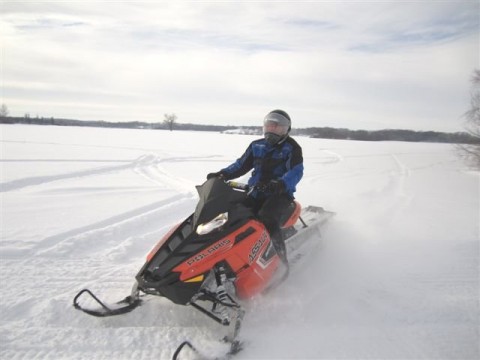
(282, 161)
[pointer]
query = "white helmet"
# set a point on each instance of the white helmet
(276, 126)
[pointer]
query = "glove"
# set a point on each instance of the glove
(272, 187)
(276, 187)
(218, 174)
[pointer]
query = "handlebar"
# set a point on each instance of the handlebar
(239, 186)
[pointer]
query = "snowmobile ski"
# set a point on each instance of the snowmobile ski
(124, 306)
(235, 348)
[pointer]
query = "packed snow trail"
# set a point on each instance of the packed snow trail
(395, 275)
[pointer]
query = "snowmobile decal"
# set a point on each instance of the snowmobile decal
(256, 248)
(203, 255)
(267, 256)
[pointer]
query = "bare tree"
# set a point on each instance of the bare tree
(170, 120)
(472, 152)
(4, 111)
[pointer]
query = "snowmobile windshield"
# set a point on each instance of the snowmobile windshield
(216, 197)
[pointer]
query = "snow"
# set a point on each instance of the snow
(396, 275)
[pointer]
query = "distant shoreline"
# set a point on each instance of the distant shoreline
(314, 132)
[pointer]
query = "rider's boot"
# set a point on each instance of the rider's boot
(279, 244)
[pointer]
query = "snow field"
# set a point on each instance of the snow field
(395, 274)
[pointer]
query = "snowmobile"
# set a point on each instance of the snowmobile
(217, 257)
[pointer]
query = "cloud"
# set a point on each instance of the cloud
(449, 25)
(355, 64)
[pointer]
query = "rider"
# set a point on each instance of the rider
(277, 164)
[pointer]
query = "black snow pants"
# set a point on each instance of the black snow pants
(270, 211)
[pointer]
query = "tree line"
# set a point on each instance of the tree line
(315, 132)
(390, 135)
(168, 124)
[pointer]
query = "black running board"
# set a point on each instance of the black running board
(126, 305)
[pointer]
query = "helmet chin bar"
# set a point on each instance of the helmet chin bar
(272, 138)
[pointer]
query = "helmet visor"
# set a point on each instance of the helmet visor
(274, 128)
(276, 124)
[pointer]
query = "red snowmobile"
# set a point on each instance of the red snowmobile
(217, 257)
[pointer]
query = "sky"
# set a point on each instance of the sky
(346, 64)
